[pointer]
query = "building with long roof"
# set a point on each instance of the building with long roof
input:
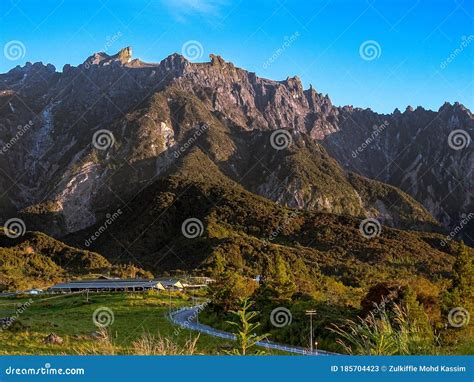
(108, 285)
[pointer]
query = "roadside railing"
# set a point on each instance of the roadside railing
(229, 336)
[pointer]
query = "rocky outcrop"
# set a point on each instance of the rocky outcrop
(154, 110)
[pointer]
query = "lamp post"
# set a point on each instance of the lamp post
(311, 313)
(169, 295)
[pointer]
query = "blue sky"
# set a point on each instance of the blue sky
(418, 52)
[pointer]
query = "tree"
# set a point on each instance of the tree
(219, 265)
(245, 329)
(417, 321)
(280, 284)
(229, 289)
(463, 278)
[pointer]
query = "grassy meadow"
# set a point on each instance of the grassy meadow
(136, 316)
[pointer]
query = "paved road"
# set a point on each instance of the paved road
(187, 318)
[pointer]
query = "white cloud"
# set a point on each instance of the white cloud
(185, 8)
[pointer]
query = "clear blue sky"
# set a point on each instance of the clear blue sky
(415, 37)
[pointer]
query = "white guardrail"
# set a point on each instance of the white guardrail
(187, 324)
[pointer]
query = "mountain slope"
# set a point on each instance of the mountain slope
(63, 183)
(36, 260)
(250, 232)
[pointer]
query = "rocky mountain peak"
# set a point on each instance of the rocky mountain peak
(29, 67)
(216, 60)
(174, 62)
(152, 107)
(123, 56)
(455, 108)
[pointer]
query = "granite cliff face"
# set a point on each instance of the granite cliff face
(94, 136)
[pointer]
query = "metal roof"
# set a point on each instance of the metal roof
(170, 282)
(93, 284)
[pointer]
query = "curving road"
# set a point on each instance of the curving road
(187, 318)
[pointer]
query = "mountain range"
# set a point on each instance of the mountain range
(262, 165)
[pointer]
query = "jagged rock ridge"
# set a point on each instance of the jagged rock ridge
(56, 174)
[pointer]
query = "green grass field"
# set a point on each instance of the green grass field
(70, 317)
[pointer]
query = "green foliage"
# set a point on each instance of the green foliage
(36, 260)
(245, 330)
(417, 320)
(70, 317)
(247, 233)
(383, 332)
(463, 278)
(229, 289)
(219, 264)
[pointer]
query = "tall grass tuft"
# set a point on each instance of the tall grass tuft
(103, 345)
(147, 344)
(383, 332)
